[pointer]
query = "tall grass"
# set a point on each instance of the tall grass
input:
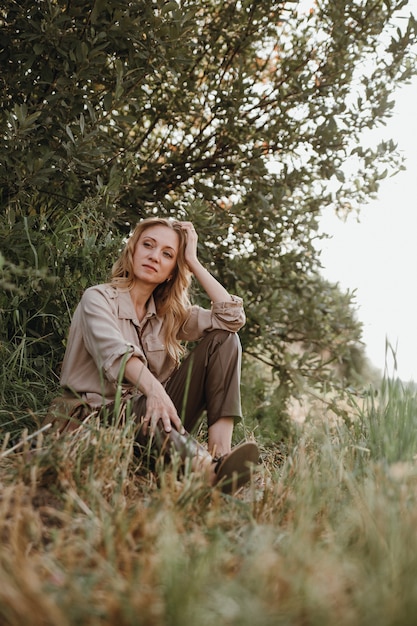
(326, 536)
(46, 261)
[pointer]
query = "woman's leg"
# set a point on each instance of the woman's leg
(209, 379)
(173, 443)
(220, 436)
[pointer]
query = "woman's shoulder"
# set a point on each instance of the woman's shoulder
(98, 292)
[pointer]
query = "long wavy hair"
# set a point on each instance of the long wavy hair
(171, 297)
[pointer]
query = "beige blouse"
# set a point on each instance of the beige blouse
(105, 333)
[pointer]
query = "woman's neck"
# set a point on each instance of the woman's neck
(140, 295)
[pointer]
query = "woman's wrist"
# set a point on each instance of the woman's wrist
(195, 267)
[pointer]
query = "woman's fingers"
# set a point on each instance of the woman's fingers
(178, 425)
(191, 243)
(188, 227)
(166, 423)
(168, 418)
(171, 421)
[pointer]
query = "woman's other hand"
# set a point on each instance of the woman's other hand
(159, 406)
(191, 244)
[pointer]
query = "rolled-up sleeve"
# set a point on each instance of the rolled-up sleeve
(229, 315)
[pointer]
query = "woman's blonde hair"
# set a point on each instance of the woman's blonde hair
(171, 297)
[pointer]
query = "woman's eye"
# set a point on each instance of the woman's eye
(168, 254)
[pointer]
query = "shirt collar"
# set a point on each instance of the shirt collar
(126, 310)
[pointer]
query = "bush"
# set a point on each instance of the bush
(46, 266)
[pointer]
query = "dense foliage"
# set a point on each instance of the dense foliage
(244, 116)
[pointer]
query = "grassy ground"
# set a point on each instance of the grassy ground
(324, 535)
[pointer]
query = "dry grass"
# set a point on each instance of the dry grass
(323, 536)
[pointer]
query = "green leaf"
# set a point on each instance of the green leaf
(69, 133)
(108, 101)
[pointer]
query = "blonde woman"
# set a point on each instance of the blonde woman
(133, 330)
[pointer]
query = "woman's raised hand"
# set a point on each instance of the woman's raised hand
(191, 243)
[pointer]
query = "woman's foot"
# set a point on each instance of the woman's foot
(233, 470)
(229, 471)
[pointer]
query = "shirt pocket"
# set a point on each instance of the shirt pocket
(153, 344)
(155, 352)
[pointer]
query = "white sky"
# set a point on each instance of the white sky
(377, 256)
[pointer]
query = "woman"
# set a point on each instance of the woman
(131, 331)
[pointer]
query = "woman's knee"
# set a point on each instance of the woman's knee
(220, 337)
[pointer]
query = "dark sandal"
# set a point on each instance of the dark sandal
(233, 470)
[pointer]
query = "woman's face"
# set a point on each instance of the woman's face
(155, 255)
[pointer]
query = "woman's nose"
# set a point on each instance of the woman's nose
(155, 254)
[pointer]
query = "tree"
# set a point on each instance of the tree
(245, 116)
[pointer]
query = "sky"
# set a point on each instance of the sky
(377, 256)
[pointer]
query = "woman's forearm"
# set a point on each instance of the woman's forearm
(215, 291)
(138, 375)
(159, 405)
